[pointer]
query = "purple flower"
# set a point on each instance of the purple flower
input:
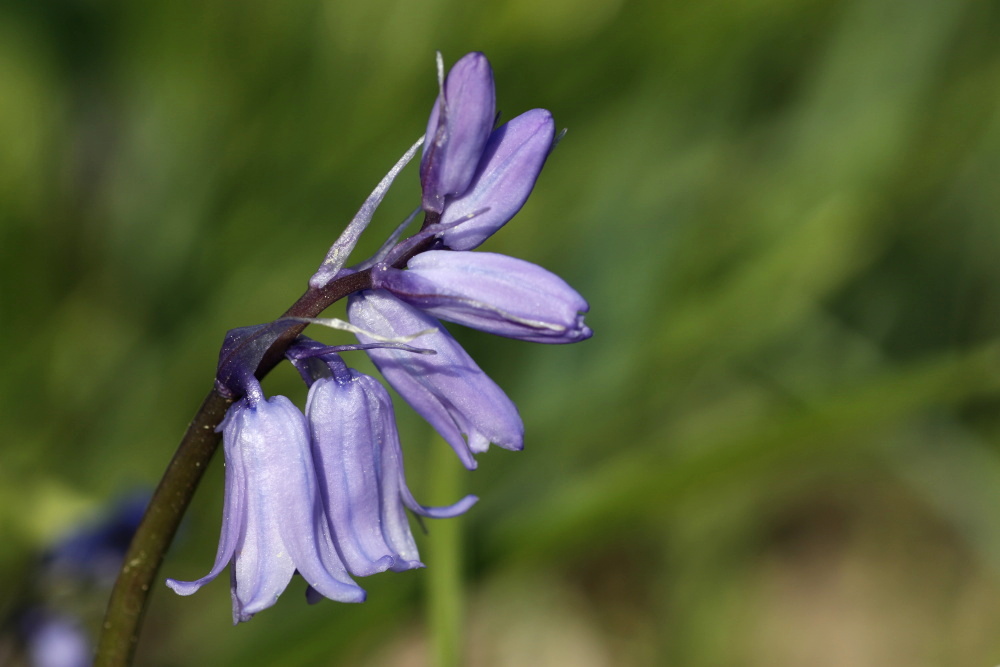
(505, 176)
(495, 293)
(360, 464)
(457, 131)
(447, 389)
(273, 523)
(54, 640)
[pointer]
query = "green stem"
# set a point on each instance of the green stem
(444, 556)
(130, 595)
(120, 632)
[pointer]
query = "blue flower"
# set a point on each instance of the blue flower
(273, 523)
(494, 293)
(55, 640)
(507, 171)
(447, 389)
(457, 130)
(325, 493)
(360, 465)
(498, 294)
(473, 176)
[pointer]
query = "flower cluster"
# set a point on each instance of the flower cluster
(323, 493)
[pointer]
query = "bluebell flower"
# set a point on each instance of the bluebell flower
(447, 389)
(457, 130)
(359, 461)
(469, 174)
(508, 168)
(491, 292)
(273, 522)
(325, 493)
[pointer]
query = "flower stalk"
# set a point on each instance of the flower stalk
(335, 472)
(130, 596)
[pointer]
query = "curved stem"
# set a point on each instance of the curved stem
(120, 631)
(129, 597)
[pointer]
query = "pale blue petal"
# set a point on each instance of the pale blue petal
(457, 131)
(344, 433)
(491, 292)
(448, 389)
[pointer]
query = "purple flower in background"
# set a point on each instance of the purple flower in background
(273, 523)
(95, 550)
(457, 130)
(55, 640)
(494, 293)
(360, 465)
(447, 389)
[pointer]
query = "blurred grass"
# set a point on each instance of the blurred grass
(780, 447)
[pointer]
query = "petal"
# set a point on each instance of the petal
(395, 525)
(263, 566)
(344, 445)
(507, 172)
(448, 389)
(233, 504)
(457, 131)
(444, 512)
(298, 512)
(495, 293)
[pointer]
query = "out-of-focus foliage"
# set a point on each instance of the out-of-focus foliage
(781, 447)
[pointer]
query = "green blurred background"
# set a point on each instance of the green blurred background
(782, 445)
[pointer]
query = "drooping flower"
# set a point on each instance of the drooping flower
(358, 458)
(457, 131)
(447, 389)
(273, 523)
(506, 174)
(491, 292)
(325, 494)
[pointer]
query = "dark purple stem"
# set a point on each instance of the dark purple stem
(123, 619)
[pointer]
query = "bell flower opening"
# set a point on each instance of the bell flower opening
(273, 523)
(360, 464)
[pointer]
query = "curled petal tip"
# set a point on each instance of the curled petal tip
(448, 511)
(183, 587)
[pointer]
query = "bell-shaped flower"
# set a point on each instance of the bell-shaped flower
(360, 465)
(491, 292)
(505, 176)
(273, 522)
(457, 131)
(447, 389)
